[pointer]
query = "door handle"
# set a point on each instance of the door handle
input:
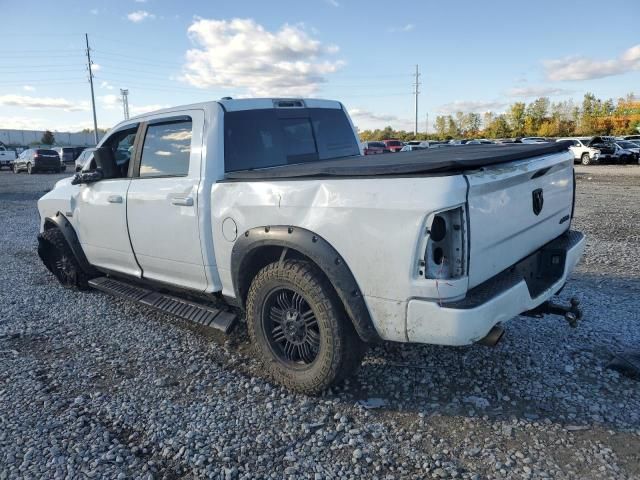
(114, 199)
(182, 201)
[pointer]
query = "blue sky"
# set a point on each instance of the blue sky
(473, 56)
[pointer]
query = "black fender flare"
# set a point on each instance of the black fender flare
(63, 224)
(319, 251)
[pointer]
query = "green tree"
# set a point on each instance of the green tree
(516, 118)
(441, 126)
(48, 138)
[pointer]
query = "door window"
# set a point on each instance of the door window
(166, 150)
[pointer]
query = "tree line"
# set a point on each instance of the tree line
(541, 117)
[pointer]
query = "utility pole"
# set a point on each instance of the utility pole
(93, 99)
(416, 92)
(426, 123)
(125, 102)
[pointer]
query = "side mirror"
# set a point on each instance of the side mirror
(87, 177)
(106, 162)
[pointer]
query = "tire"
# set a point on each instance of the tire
(60, 260)
(585, 160)
(29, 169)
(299, 329)
(15, 169)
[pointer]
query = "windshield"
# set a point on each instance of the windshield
(625, 144)
(376, 144)
(394, 143)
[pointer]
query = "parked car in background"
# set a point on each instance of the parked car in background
(374, 148)
(631, 137)
(631, 151)
(480, 141)
(36, 160)
(67, 155)
(411, 148)
(83, 158)
(607, 149)
(393, 145)
(534, 140)
(6, 157)
(582, 152)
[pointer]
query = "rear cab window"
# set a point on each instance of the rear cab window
(273, 137)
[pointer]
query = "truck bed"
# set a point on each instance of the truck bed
(418, 162)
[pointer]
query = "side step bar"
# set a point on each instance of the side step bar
(192, 311)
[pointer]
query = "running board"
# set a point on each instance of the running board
(194, 312)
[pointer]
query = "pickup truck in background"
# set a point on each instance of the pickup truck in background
(6, 157)
(266, 209)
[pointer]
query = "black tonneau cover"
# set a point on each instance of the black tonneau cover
(448, 159)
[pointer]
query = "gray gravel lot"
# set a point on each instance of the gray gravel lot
(93, 386)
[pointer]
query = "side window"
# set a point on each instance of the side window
(121, 143)
(166, 149)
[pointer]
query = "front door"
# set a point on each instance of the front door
(100, 211)
(162, 202)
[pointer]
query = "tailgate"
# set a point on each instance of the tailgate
(514, 209)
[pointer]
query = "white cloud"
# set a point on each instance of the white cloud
(537, 91)
(110, 101)
(140, 15)
(36, 123)
(405, 28)
(470, 106)
(94, 11)
(95, 67)
(28, 88)
(26, 101)
(583, 68)
(333, 3)
(241, 54)
(106, 85)
(365, 119)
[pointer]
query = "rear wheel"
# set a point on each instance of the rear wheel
(585, 160)
(29, 169)
(60, 260)
(299, 329)
(15, 168)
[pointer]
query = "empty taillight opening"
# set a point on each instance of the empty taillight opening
(446, 250)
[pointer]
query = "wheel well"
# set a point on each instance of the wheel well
(261, 257)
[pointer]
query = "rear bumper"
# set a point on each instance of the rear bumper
(497, 300)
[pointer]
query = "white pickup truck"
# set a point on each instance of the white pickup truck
(266, 207)
(6, 157)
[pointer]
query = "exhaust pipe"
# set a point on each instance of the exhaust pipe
(493, 337)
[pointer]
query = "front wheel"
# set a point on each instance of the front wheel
(299, 329)
(55, 253)
(16, 170)
(585, 160)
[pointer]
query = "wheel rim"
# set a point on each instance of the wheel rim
(65, 269)
(291, 327)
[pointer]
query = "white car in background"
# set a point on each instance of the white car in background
(6, 157)
(582, 153)
(534, 140)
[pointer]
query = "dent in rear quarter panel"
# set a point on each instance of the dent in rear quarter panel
(375, 224)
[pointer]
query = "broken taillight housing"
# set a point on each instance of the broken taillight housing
(445, 255)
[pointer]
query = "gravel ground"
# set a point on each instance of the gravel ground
(93, 386)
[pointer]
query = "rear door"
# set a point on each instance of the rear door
(162, 203)
(514, 209)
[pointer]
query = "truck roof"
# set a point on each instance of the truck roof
(416, 162)
(234, 105)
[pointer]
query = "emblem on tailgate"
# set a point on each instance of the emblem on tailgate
(538, 200)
